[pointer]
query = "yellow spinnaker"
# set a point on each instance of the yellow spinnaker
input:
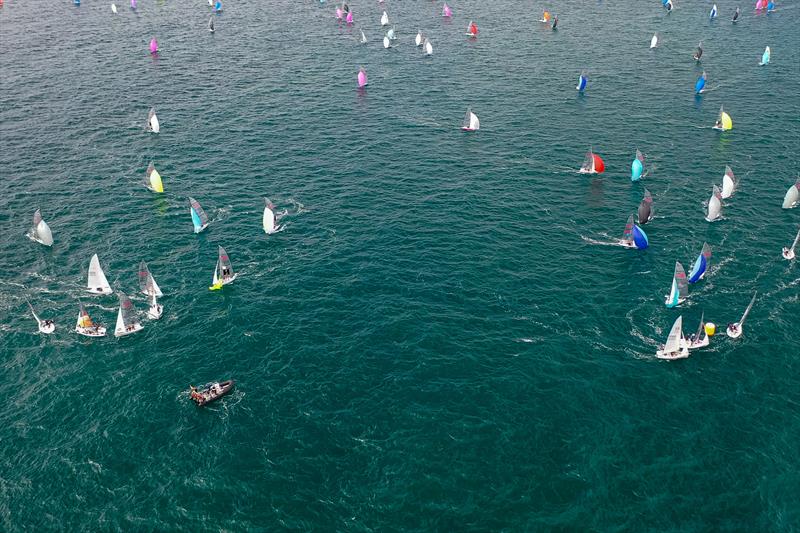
(727, 123)
(157, 186)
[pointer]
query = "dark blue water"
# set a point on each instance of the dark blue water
(434, 341)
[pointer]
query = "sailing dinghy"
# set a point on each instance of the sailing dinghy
(713, 13)
(391, 34)
(153, 46)
(545, 17)
(735, 330)
(714, 205)
(699, 52)
(645, 212)
(269, 221)
(362, 78)
(696, 341)
(114, 8)
(592, 164)
(699, 87)
(418, 40)
(152, 179)
(472, 29)
(427, 47)
(788, 253)
(152, 121)
(211, 24)
(147, 283)
(385, 19)
(45, 326)
(199, 218)
(40, 232)
(348, 19)
(86, 327)
(446, 11)
(724, 122)
(127, 323)
(97, 283)
(728, 183)
(386, 42)
(736, 15)
(675, 347)
(701, 264)
(637, 166)
(363, 38)
(668, 6)
(680, 288)
(792, 197)
(471, 122)
(633, 236)
(223, 271)
(582, 80)
(765, 57)
(654, 41)
(155, 310)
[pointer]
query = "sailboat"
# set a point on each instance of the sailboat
(765, 57)
(386, 42)
(269, 220)
(582, 80)
(127, 323)
(155, 310)
(592, 164)
(147, 283)
(86, 327)
(385, 19)
(391, 34)
(770, 6)
(714, 205)
(735, 330)
(223, 271)
(218, 6)
(133, 4)
(701, 264)
(668, 6)
(446, 11)
(418, 39)
(40, 232)
(555, 22)
(114, 8)
(545, 17)
(152, 121)
(633, 236)
(362, 78)
(211, 24)
(152, 179)
(645, 212)
(699, 52)
(696, 341)
(701, 83)
(792, 197)
(97, 282)
(761, 4)
(788, 253)
(427, 47)
(637, 166)
(471, 122)
(348, 19)
(680, 288)
(728, 183)
(675, 347)
(713, 13)
(724, 122)
(472, 29)
(363, 38)
(45, 326)
(736, 15)
(654, 41)
(153, 46)
(199, 218)
(339, 14)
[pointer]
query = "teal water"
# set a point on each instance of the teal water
(432, 343)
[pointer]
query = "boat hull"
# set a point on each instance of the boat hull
(208, 394)
(125, 332)
(788, 254)
(682, 353)
(702, 343)
(100, 290)
(734, 333)
(99, 331)
(48, 329)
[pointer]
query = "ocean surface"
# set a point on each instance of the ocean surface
(435, 341)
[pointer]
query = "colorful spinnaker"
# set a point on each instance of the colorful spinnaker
(446, 11)
(724, 122)
(792, 197)
(349, 18)
(40, 231)
(645, 211)
(97, 282)
(472, 29)
(701, 83)
(147, 283)
(592, 164)
(223, 271)
(153, 46)
(701, 264)
(668, 5)
(637, 166)
(85, 326)
(545, 17)
(218, 6)
(471, 122)
(199, 218)
(728, 183)
(765, 57)
(640, 238)
(680, 288)
(714, 205)
(133, 4)
(362, 77)
(152, 179)
(582, 80)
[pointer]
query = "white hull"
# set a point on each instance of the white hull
(788, 254)
(734, 333)
(100, 290)
(682, 353)
(98, 331)
(48, 329)
(702, 343)
(668, 300)
(201, 228)
(122, 332)
(586, 171)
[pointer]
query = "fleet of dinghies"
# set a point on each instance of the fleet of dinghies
(676, 346)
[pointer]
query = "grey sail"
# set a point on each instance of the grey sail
(645, 212)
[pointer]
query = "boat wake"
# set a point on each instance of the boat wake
(602, 243)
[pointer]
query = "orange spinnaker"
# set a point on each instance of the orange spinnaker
(599, 166)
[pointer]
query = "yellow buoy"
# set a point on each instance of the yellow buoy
(711, 328)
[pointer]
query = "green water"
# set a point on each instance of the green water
(432, 342)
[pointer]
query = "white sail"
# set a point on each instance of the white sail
(386, 42)
(391, 34)
(152, 121)
(97, 283)
(714, 205)
(654, 41)
(474, 123)
(120, 327)
(114, 8)
(728, 183)
(45, 236)
(428, 48)
(363, 37)
(269, 221)
(675, 337)
(418, 38)
(792, 196)
(385, 19)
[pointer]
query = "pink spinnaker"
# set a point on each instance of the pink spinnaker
(362, 78)
(446, 11)
(349, 18)
(339, 13)
(153, 46)
(133, 4)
